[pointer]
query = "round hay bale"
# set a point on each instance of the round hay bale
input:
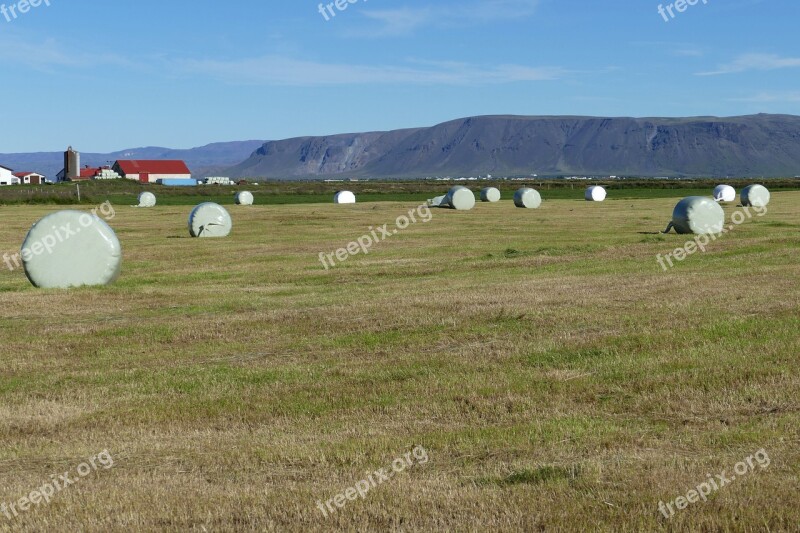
(595, 193)
(699, 215)
(244, 198)
(755, 196)
(490, 194)
(724, 193)
(527, 198)
(460, 198)
(147, 199)
(210, 220)
(71, 249)
(437, 202)
(344, 197)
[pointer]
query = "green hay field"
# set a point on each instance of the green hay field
(557, 378)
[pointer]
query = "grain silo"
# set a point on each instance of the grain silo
(697, 214)
(724, 193)
(755, 196)
(71, 249)
(595, 193)
(527, 198)
(210, 220)
(344, 197)
(244, 198)
(490, 194)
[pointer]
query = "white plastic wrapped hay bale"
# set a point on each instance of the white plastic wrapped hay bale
(698, 215)
(244, 198)
(595, 193)
(437, 202)
(459, 198)
(755, 196)
(527, 198)
(724, 193)
(344, 197)
(490, 194)
(147, 199)
(210, 220)
(71, 249)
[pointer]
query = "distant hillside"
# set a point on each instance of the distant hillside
(747, 146)
(756, 145)
(203, 161)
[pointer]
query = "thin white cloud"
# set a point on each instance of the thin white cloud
(398, 21)
(276, 70)
(749, 62)
(771, 97)
(48, 54)
(393, 22)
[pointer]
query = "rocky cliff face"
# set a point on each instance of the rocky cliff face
(757, 145)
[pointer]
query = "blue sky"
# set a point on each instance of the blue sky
(104, 76)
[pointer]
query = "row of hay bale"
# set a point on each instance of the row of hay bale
(148, 199)
(88, 251)
(463, 199)
(83, 250)
(701, 215)
(756, 195)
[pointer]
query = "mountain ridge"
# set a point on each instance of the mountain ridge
(762, 145)
(749, 145)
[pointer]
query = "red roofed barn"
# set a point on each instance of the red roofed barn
(150, 171)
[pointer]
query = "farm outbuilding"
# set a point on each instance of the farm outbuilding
(7, 177)
(30, 178)
(150, 171)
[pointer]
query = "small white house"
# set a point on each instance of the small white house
(30, 178)
(7, 176)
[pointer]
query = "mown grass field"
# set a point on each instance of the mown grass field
(558, 379)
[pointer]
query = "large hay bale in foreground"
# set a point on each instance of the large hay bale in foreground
(755, 196)
(210, 220)
(490, 194)
(527, 198)
(724, 193)
(71, 249)
(147, 199)
(698, 215)
(244, 198)
(595, 193)
(344, 197)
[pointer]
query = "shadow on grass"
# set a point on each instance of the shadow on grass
(536, 476)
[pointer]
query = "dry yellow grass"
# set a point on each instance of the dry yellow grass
(557, 378)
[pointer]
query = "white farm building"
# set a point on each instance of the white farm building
(7, 177)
